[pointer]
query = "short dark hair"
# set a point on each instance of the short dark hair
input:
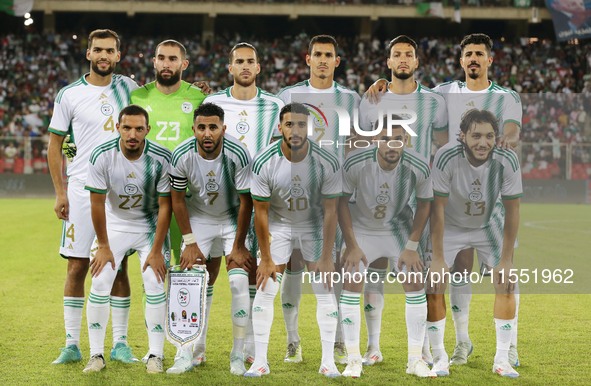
(242, 45)
(323, 39)
(477, 39)
(402, 39)
(103, 34)
(209, 110)
(134, 110)
(478, 116)
(294, 108)
(172, 43)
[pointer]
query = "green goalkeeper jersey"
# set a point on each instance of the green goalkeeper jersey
(171, 116)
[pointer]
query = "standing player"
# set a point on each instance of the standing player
(295, 187)
(215, 169)
(170, 101)
(320, 94)
(252, 116)
(130, 190)
(87, 110)
(477, 189)
(412, 101)
(380, 226)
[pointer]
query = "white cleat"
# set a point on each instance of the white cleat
(461, 353)
(154, 365)
(258, 371)
(505, 370)
(353, 369)
(441, 367)
(181, 365)
(513, 356)
(199, 356)
(340, 353)
(237, 365)
(95, 364)
(329, 370)
(293, 353)
(419, 368)
(372, 356)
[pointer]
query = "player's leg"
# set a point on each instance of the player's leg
(77, 238)
(97, 308)
(460, 296)
(291, 295)
(340, 350)
(426, 246)
(350, 320)
(120, 303)
(155, 310)
(176, 239)
(373, 306)
(327, 310)
(252, 290)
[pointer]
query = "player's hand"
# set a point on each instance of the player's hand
(376, 90)
(62, 207)
(324, 267)
(265, 270)
(69, 148)
(191, 255)
(102, 257)
(436, 280)
(506, 142)
(241, 257)
(503, 279)
(203, 86)
(411, 260)
(156, 261)
(351, 259)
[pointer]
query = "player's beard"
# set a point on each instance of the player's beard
(403, 75)
(244, 82)
(292, 147)
(108, 71)
(474, 74)
(216, 144)
(391, 160)
(174, 78)
(470, 155)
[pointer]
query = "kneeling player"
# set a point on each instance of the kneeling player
(130, 191)
(477, 189)
(381, 225)
(295, 187)
(215, 171)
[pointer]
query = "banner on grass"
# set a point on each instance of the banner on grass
(572, 19)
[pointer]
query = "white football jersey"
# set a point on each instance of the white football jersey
(429, 107)
(505, 104)
(475, 193)
(296, 190)
(89, 114)
(382, 197)
(132, 187)
(253, 122)
(213, 185)
(320, 103)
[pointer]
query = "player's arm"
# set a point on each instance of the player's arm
(103, 254)
(353, 254)
(376, 90)
(441, 137)
(191, 254)
(510, 137)
(409, 256)
(266, 268)
(155, 258)
(240, 254)
(55, 161)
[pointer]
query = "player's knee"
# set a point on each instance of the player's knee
(151, 284)
(77, 268)
(103, 283)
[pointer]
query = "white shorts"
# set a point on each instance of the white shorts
(285, 240)
(214, 240)
(488, 243)
(78, 231)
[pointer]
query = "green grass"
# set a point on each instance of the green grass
(553, 328)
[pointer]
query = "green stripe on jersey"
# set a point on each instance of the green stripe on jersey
(265, 156)
(238, 151)
(358, 158)
(448, 155)
(182, 150)
(109, 145)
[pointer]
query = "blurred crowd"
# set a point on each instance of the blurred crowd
(554, 80)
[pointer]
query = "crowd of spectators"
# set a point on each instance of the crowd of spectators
(553, 79)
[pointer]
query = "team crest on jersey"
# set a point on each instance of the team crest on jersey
(130, 189)
(187, 107)
(475, 196)
(383, 199)
(107, 109)
(212, 186)
(297, 191)
(242, 127)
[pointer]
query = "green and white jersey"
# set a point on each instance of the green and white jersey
(295, 190)
(132, 187)
(171, 116)
(321, 104)
(475, 193)
(253, 122)
(429, 107)
(213, 185)
(505, 104)
(89, 114)
(382, 197)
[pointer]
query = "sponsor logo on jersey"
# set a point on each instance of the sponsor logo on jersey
(131, 175)
(187, 107)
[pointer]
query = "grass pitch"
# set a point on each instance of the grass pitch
(553, 325)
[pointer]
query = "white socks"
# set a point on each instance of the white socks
(240, 310)
(73, 319)
(373, 300)
(351, 322)
(504, 329)
(436, 332)
(262, 319)
(327, 315)
(460, 295)
(155, 318)
(97, 316)
(416, 317)
(291, 294)
(120, 318)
